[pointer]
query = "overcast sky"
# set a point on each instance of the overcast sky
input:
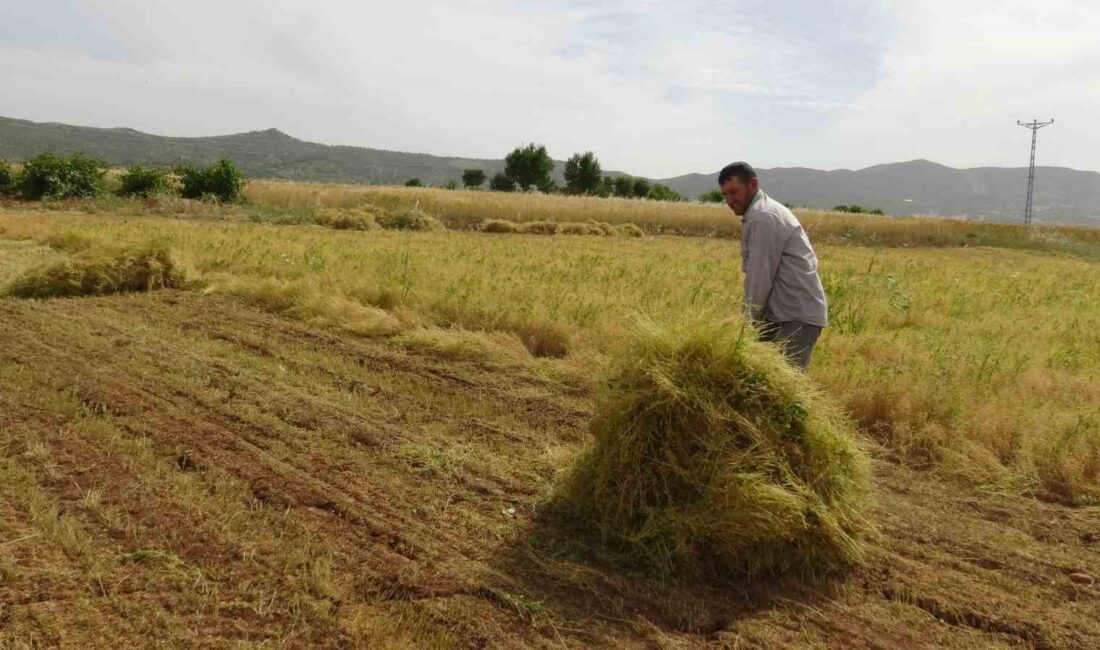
(656, 88)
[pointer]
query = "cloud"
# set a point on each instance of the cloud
(656, 87)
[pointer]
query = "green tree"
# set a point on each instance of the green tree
(220, 181)
(660, 192)
(640, 189)
(47, 176)
(713, 196)
(139, 181)
(414, 182)
(451, 184)
(528, 166)
(473, 177)
(583, 173)
(606, 187)
(502, 183)
(624, 186)
(8, 179)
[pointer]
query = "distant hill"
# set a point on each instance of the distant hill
(988, 193)
(1062, 195)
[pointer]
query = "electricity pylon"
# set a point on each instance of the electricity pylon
(1034, 125)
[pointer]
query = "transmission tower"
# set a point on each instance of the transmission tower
(1034, 125)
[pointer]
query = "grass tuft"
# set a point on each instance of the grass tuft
(713, 457)
(100, 272)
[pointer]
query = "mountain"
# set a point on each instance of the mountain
(915, 187)
(1061, 195)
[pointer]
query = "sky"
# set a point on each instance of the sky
(653, 87)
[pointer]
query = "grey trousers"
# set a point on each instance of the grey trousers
(795, 340)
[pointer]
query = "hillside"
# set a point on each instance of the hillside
(1066, 196)
(1062, 195)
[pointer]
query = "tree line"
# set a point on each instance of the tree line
(529, 167)
(49, 176)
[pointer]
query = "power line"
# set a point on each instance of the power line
(1034, 125)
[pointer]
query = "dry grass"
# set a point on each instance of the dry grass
(100, 272)
(980, 362)
(713, 457)
(467, 209)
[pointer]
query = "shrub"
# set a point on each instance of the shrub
(713, 196)
(100, 272)
(450, 185)
(221, 181)
(414, 182)
(498, 225)
(539, 228)
(473, 177)
(502, 183)
(713, 457)
(48, 176)
(411, 219)
(8, 180)
(139, 181)
(660, 192)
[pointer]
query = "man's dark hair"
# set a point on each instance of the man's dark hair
(742, 171)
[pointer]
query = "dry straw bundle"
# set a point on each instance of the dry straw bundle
(98, 272)
(713, 457)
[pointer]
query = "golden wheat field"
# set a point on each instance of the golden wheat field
(360, 424)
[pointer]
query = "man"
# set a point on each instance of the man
(783, 293)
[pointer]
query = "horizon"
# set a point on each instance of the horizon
(555, 157)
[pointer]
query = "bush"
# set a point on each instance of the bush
(139, 181)
(473, 177)
(411, 219)
(8, 179)
(713, 457)
(660, 192)
(450, 185)
(498, 225)
(502, 183)
(414, 182)
(48, 176)
(99, 272)
(221, 181)
(713, 196)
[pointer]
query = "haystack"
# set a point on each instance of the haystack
(100, 272)
(713, 457)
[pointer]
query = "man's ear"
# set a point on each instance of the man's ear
(754, 184)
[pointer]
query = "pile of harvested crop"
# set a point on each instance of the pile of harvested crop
(98, 272)
(713, 457)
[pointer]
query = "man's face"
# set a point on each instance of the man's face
(739, 195)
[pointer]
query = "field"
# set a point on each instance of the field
(345, 438)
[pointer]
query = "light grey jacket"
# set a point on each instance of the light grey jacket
(781, 281)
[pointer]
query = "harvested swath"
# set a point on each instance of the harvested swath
(362, 218)
(411, 219)
(578, 228)
(498, 226)
(463, 345)
(99, 272)
(539, 228)
(628, 230)
(713, 457)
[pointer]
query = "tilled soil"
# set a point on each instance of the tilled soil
(185, 470)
